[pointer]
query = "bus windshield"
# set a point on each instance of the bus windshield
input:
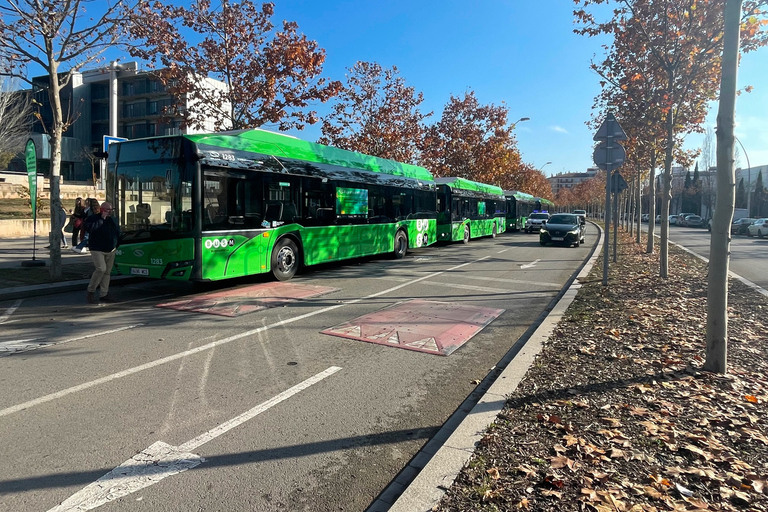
(152, 189)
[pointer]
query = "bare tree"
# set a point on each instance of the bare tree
(49, 34)
(15, 120)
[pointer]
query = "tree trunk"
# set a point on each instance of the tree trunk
(720, 243)
(57, 131)
(638, 206)
(651, 202)
(667, 195)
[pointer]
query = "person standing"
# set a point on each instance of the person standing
(103, 237)
(78, 216)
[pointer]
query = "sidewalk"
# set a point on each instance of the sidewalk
(17, 282)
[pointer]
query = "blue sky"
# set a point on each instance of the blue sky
(522, 53)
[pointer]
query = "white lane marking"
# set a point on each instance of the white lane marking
(14, 347)
(503, 250)
(529, 265)
(87, 336)
(146, 366)
(8, 312)
(162, 460)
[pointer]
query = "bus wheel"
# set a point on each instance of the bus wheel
(285, 259)
(466, 234)
(401, 245)
(493, 233)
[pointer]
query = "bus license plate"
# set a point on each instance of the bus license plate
(554, 239)
(140, 271)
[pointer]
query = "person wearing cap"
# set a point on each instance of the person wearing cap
(103, 238)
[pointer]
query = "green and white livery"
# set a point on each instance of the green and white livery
(468, 209)
(206, 207)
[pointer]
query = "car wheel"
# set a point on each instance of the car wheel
(749, 234)
(466, 234)
(401, 245)
(285, 259)
(759, 234)
(576, 244)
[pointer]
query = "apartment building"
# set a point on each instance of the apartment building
(570, 179)
(119, 100)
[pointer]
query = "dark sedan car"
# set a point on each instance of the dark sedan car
(563, 228)
(739, 227)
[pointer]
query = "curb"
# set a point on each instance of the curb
(439, 462)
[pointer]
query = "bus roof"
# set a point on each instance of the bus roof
(545, 201)
(463, 184)
(520, 196)
(278, 145)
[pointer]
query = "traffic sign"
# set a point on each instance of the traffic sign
(108, 139)
(618, 183)
(610, 130)
(612, 155)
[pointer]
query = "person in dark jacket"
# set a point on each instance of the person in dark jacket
(103, 237)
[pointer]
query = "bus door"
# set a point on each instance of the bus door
(320, 241)
(232, 207)
(352, 218)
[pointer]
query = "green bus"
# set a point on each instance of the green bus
(543, 205)
(519, 206)
(206, 207)
(468, 209)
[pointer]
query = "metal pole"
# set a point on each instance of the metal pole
(607, 237)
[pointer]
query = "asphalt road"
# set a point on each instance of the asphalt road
(749, 256)
(183, 386)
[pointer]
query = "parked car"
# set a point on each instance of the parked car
(739, 226)
(672, 219)
(758, 228)
(694, 221)
(681, 218)
(563, 228)
(645, 217)
(581, 213)
(535, 221)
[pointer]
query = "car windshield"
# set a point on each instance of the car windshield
(564, 219)
(539, 215)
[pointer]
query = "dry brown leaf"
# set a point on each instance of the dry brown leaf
(493, 473)
(614, 422)
(652, 492)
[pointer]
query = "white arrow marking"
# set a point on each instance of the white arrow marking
(10, 310)
(529, 265)
(162, 460)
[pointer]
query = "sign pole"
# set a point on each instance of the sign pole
(609, 155)
(607, 237)
(30, 154)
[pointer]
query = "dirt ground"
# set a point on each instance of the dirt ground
(617, 414)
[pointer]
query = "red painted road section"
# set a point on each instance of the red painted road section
(240, 301)
(425, 326)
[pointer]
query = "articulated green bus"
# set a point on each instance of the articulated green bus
(468, 209)
(543, 205)
(206, 207)
(519, 206)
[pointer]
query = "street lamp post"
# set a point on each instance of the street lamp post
(749, 179)
(520, 121)
(546, 164)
